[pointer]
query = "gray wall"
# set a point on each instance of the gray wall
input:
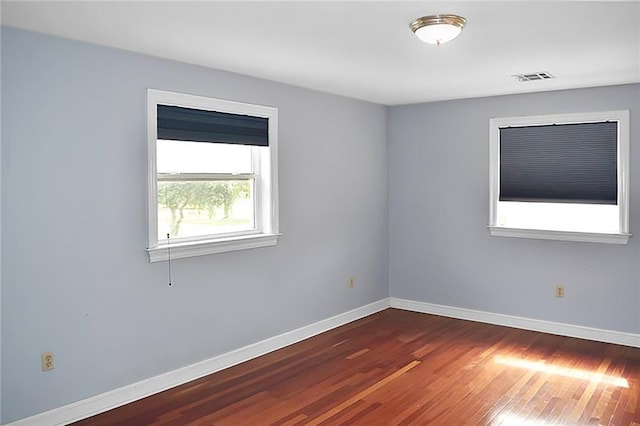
(76, 279)
(440, 250)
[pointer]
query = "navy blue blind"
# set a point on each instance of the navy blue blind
(567, 163)
(187, 124)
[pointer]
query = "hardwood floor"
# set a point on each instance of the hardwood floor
(406, 368)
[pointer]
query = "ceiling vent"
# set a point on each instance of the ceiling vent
(533, 76)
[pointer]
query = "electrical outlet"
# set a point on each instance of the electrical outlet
(47, 361)
(352, 282)
(560, 291)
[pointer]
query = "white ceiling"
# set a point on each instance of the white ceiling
(365, 49)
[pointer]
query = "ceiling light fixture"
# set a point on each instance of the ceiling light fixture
(438, 29)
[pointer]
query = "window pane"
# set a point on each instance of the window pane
(599, 218)
(202, 157)
(197, 208)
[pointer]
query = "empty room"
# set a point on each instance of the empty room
(320, 213)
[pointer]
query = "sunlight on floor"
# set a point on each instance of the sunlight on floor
(564, 371)
(515, 420)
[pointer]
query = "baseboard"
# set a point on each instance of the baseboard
(568, 330)
(124, 395)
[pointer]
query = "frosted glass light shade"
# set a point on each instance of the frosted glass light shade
(438, 34)
(438, 29)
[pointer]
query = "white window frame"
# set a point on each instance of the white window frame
(265, 182)
(621, 117)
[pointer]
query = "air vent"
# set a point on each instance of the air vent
(533, 76)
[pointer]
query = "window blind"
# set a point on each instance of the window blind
(565, 163)
(188, 124)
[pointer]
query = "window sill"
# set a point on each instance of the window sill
(541, 234)
(202, 248)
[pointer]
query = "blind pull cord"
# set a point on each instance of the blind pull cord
(169, 256)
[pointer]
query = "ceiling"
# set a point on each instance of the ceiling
(365, 49)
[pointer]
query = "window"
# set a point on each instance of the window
(212, 175)
(560, 177)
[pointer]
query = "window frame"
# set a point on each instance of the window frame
(265, 180)
(621, 117)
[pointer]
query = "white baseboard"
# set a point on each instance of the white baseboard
(568, 330)
(124, 395)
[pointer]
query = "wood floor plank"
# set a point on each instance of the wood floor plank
(405, 368)
(362, 394)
